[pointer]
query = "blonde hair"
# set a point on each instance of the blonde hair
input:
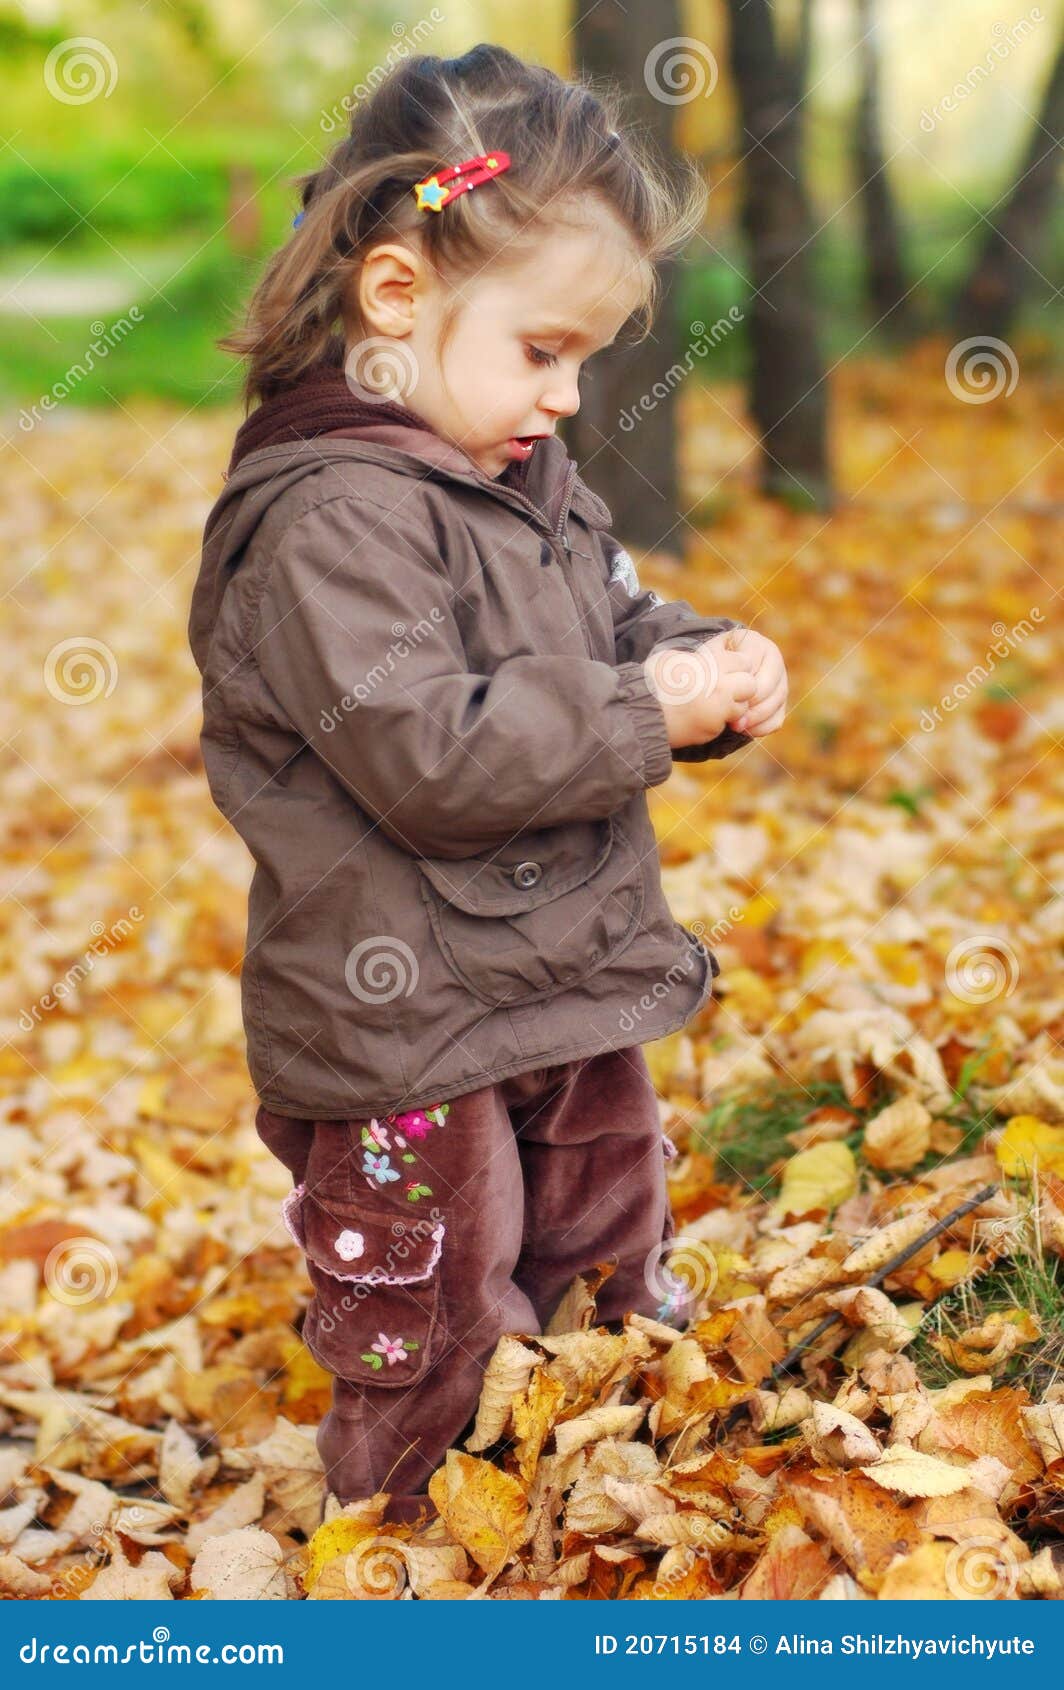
(564, 140)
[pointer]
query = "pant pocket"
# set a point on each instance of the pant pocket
(373, 1261)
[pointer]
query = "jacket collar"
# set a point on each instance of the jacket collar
(323, 404)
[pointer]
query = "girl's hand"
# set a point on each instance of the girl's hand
(763, 713)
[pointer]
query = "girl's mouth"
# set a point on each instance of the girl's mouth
(521, 446)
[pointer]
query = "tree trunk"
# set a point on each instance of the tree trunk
(789, 396)
(1015, 234)
(884, 272)
(635, 471)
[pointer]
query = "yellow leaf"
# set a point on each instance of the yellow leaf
(484, 1509)
(1026, 1141)
(982, 1348)
(953, 1266)
(899, 1136)
(336, 1537)
(819, 1178)
(759, 911)
(911, 1473)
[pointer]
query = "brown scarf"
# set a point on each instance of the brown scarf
(319, 403)
(322, 402)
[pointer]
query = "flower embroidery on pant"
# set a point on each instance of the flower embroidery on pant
(350, 1244)
(375, 1137)
(417, 1123)
(378, 1168)
(394, 1349)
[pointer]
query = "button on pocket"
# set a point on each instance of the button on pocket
(373, 1261)
(526, 874)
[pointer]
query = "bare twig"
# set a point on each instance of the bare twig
(896, 1261)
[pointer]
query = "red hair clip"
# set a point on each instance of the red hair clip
(433, 195)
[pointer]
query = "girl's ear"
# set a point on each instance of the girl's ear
(390, 281)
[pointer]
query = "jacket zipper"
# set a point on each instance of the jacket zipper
(559, 535)
(558, 532)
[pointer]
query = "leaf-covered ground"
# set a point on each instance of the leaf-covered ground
(877, 880)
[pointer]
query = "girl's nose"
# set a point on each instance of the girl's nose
(563, 398)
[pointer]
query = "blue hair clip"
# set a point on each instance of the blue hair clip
(297, 219)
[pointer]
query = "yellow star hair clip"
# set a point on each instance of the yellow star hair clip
(437, 191)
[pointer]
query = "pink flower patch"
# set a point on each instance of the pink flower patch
(391, 1348)
(417, 1123)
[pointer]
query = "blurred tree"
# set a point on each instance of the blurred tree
(884, 270)
(635, 472)
(243, 220)
(1016, 232)
(788, 397)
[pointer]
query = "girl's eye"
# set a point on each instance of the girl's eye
(542, 358)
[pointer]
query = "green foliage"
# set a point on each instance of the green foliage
(748, 1136)
(127, 193)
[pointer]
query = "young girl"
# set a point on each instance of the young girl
(434, 696)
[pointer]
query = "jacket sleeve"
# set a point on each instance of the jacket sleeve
(643, 622)
(357, 640)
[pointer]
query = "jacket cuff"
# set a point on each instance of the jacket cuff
(648, 719)
(728, 740)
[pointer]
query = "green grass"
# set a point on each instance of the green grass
(132, 191)
(1026, 1279)
(169, 353)
(749, 1135)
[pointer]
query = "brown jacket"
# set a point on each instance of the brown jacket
(425, 712)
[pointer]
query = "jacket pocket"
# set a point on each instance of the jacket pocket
(374, 1267)
(538, 915)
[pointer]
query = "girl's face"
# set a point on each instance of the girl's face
(525, 327)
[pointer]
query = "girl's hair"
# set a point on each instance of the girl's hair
(563, 142)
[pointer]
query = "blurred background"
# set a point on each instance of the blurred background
(844, 430)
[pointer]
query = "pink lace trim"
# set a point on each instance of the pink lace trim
(291, 1207)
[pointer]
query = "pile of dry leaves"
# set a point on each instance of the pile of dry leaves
(877, 880)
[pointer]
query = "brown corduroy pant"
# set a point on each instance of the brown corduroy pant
(428, 1235)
